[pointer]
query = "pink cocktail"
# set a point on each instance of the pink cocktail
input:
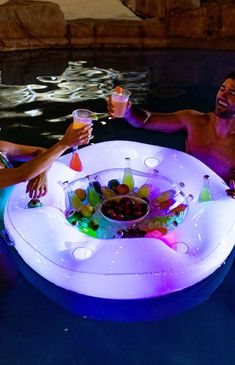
(120, 99)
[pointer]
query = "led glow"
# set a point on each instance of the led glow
(144, 267)
(82, 253)
(151, 162)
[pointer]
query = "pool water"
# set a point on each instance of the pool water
(44, 324)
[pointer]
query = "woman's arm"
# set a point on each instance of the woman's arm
(37, 186)
(19, 152)
(40, 163)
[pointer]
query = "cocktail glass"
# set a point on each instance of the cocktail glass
(120, 99)
(81, 117)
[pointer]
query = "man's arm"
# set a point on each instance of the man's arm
(161, 122)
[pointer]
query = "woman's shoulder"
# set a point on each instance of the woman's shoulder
(4, 161)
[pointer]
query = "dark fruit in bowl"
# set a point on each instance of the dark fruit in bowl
(125, 209)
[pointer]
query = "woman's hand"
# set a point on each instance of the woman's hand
(37, 187)
(75, 137)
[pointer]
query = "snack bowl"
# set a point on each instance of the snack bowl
(125, 209)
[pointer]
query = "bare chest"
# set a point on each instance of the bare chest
(218, 152)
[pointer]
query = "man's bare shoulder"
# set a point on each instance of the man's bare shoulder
(190, 116)
(192, 112)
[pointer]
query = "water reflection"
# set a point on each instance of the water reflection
(153, 309)
(14, 114)
(77, 83)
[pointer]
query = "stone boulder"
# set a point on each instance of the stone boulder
(26, 24)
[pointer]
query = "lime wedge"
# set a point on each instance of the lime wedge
(94, 116)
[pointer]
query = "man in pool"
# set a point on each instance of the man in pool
(210, 136)
(38, 160)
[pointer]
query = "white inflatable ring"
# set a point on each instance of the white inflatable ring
(124, 268)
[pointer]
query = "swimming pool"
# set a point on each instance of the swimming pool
(43, 324)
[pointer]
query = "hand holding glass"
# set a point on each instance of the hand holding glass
(81, 117)
(120, 99)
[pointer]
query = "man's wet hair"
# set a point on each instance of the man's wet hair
(231, 75)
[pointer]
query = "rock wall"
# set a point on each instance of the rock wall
(27, 24)
(159, 8)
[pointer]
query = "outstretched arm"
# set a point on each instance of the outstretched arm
(162, 122)
(19, 152)
(40, 163)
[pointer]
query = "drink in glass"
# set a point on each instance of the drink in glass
(81, 117)
(120, 99)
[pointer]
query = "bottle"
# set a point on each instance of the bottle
(182, 206)
(73, 200)
(171, 193)
(149, 189)
(128, 176)
(93, 196)
(205, 194)
(168, 199)
(73, 217)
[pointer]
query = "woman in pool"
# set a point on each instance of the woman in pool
(38, 161)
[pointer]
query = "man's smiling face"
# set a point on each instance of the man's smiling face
(225, 100)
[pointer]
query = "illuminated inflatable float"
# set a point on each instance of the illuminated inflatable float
(94, 243)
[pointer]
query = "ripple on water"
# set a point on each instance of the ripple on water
(77, 83)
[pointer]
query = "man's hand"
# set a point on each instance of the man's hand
(111, 108)
(37, 187)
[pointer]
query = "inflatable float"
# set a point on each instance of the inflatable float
(82, 244)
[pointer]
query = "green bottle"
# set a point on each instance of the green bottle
(73, 199)
(128, 176)
(205, 194)
(93, 197)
